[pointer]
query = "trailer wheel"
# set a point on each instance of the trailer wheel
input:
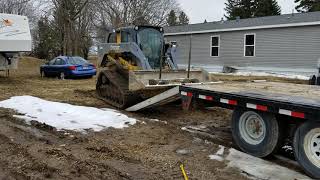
(255, 133)
(307, 148)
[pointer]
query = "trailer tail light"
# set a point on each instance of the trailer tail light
(257, 107)
(72, 68)
(208, 98)
(230, 102)
(292, 113)
(189, 94)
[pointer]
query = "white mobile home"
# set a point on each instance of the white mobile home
(276, 43)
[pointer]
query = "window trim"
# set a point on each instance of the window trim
(219, 39)
(244, 44)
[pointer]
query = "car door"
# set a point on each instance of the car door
(48, 69)
(57, 67)
(61, 66)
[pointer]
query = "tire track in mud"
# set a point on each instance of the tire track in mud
(38, 151)
(27, 152)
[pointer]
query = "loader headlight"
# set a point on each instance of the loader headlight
(136, 28)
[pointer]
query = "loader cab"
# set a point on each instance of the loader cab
(149, 38)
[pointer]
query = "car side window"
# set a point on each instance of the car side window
(59, 62)
(52, 62)
(62, 62)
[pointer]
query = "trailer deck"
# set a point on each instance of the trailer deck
(300, 101)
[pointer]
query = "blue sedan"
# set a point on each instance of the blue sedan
(68, 67)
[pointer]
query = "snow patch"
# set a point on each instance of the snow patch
(65, 116)
(219, 154)
(157, 120)
(262, 74)
(254, 167)
(220, 151)
(260, 168)
(216, 157)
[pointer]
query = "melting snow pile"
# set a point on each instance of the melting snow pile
(66, 116)
(218, 155)
(256, 167)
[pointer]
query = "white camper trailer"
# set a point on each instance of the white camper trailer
(15, 37)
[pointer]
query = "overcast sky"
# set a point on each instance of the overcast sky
(213, 10)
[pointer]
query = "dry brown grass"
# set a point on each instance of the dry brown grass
(27, 81)
(93, 58)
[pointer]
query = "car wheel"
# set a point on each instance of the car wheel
(62, 76)
(43, 74)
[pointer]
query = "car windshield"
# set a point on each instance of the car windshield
(77, 61)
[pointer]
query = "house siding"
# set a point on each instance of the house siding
(294, 47)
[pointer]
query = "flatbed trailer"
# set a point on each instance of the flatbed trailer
(265, 114)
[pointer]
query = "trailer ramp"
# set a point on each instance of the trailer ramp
(160, 99)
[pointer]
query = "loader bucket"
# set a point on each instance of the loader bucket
(148, 80)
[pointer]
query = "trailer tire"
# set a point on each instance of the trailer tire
(256, 133)
(307, 148)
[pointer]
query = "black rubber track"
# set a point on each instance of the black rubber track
(112, 88)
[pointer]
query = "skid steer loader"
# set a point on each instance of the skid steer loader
(136, 64)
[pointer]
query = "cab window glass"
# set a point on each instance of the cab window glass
(126, 37)
(112, 38)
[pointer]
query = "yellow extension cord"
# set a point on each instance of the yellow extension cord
(184, 172)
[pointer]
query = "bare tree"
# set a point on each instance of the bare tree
(20, 7)
(128, 12)
(68, 15)
(119, 13)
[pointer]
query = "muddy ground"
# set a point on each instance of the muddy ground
(148, 150)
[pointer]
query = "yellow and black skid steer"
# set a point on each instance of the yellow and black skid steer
(136, 64)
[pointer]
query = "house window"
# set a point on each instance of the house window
(215, 46)
(250, 45)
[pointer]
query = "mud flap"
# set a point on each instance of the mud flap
(187, 102)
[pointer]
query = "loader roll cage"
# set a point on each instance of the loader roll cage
(148, 38)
